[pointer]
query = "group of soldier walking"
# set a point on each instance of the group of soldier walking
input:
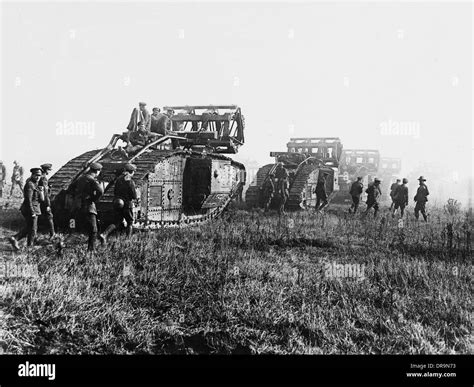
(85, 191)
(398, 195)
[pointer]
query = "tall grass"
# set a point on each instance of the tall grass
(250, 283)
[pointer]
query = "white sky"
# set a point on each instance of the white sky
(304, 69)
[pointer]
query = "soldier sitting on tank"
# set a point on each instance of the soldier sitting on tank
(207, 117)
(137, 140)
(124, 195)
(160, 123)
(174, 126)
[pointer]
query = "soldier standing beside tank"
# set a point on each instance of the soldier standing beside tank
(373, 196)
(355, 192)
(268, 191)
(125, 194)
(282, 186)
(400, 198)
(421, 198)
(87, 191)
(3, 176)
(46, 204)
(320, 190)
(30, 209)
(393, 190)
(17, 177)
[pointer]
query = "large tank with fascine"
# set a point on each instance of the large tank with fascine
(183, 177)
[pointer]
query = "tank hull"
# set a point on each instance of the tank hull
(175, 188)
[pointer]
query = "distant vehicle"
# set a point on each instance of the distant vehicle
(182, 177)
(305, 160)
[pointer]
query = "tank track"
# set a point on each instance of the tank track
(144, 163)
(296, 199)
(252, 196)
(67, 173)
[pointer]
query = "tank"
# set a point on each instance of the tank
(182, 178)
(354, 163)
(305, 160)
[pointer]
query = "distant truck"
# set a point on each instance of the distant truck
(305, 159)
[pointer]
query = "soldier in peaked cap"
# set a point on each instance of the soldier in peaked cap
(125, 194)
(373, 196)
(421, 198)
(30, 209)
(46, 203)
(87, 191)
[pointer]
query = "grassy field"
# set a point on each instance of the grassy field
(248, 283)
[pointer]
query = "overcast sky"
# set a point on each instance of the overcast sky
(352, 70)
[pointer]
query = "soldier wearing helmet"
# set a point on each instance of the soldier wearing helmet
(87, 191)
(124, 195)
(400, 198)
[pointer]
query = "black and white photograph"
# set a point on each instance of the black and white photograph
(236, 181)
